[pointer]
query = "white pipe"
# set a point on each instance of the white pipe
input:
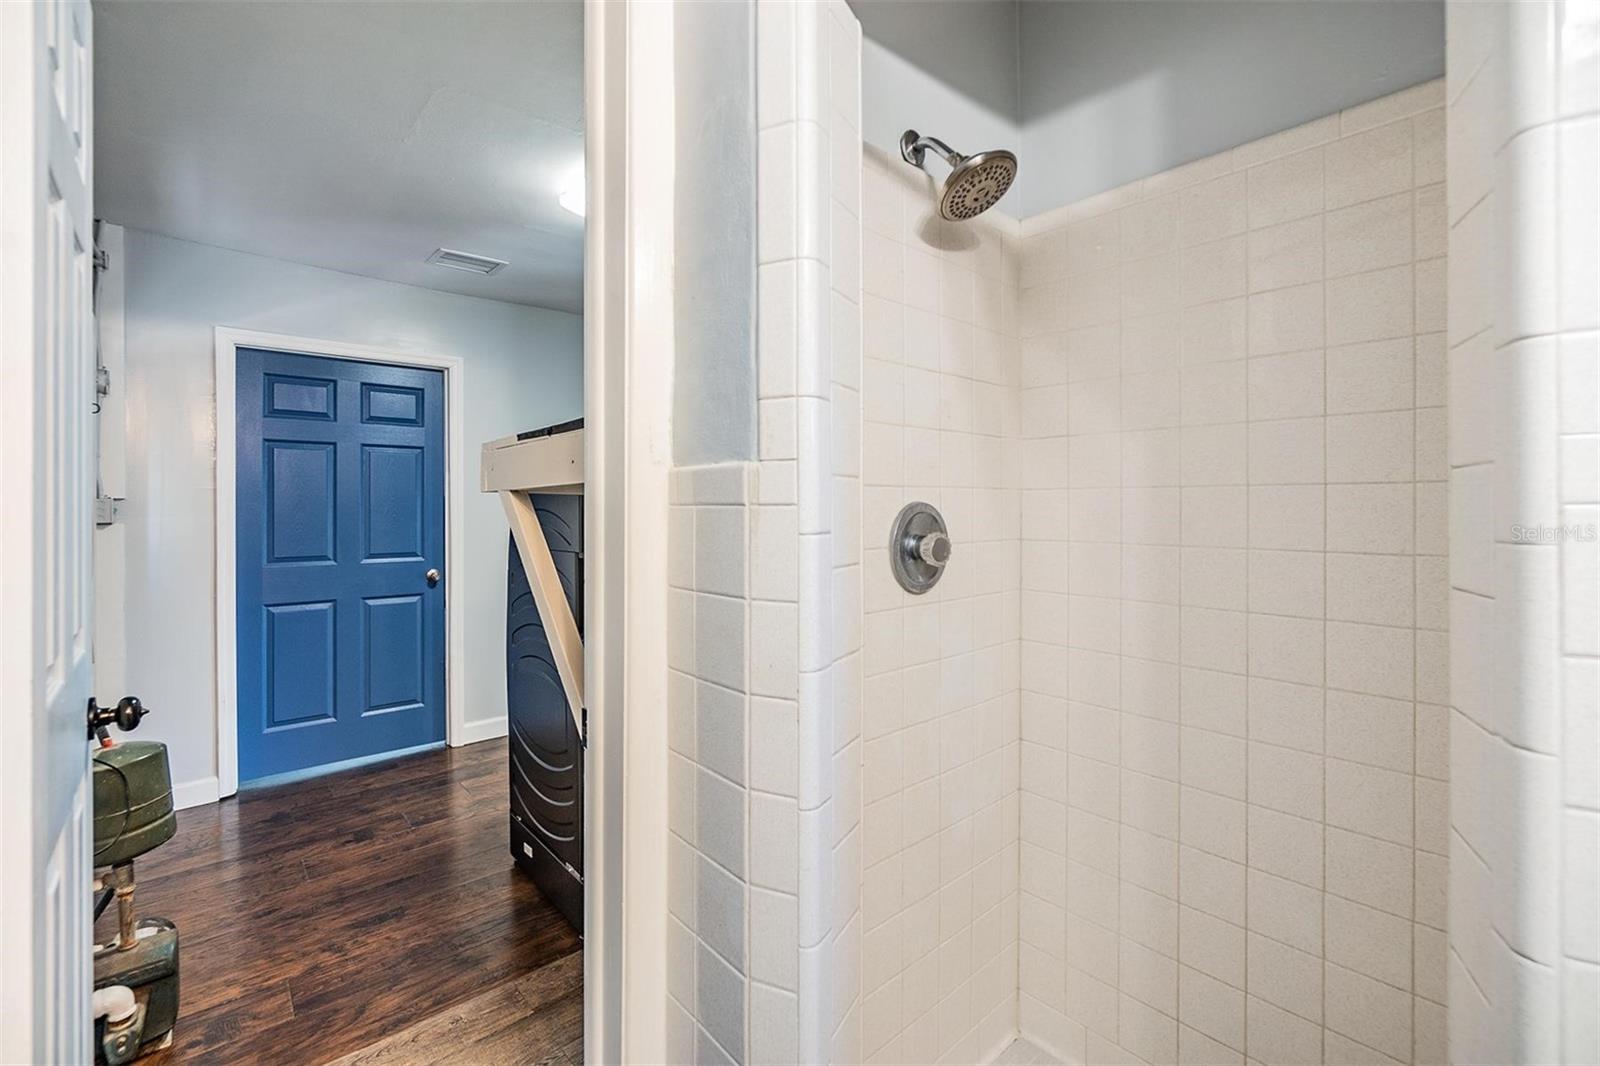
(115, 1003)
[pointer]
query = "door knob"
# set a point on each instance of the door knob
(433, 576)
(126, 715)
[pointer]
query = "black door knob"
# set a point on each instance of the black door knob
(126, 715)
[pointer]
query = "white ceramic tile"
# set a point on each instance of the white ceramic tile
(1214, 332)
(1287, 911)
(1368, 1011)
(1285, 846)
(1286, 780)
(1214, 455)
(1370, 306)
(1377, 660)
(1285, 976)
(1370, 518)
(1370, 800)
(1214, 516)
(1286, 583)
(1287, 254)
(1213, 392)
(1286, 386)
(1286, 188)
(1286, 714)
(1286, 649)
(1374, 376)
(1288, 517)
(1287, 452)
(1290, 319)
(1211, 885)
(1372, 730)
(1371, 588)
(1371, 871)
(1367, 165)
(1370, 235)
(1212, 210)
(1276, 1035)
(1211, 1007)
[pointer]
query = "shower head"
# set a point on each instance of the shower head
(975, 182)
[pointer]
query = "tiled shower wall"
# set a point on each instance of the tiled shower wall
(939, 780)
(1524, 965)
(710, 771)
(809, 281)
(765, 649)
(1234, 805)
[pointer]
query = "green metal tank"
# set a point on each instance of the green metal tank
(133, 814)
(132, 801)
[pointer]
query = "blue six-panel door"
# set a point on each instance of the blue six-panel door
(340, 516)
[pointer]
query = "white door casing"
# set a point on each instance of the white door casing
(47, 482)
(629, 134)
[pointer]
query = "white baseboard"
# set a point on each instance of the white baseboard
(472, 732)
(195, 793)
(208, 789)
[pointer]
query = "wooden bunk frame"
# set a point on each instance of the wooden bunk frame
(516, 469)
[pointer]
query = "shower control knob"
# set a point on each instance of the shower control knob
(919, 547)
(933, 548)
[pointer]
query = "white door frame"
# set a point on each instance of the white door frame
(228, 341)
(629, 125)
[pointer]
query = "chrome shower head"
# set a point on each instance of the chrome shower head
(975, 183)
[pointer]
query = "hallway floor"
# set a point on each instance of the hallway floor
(374, 913)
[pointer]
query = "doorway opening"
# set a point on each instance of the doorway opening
(346, 252)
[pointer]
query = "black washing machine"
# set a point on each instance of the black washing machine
(546, 745)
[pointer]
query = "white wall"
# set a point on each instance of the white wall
(1524, 455)
(523, 368)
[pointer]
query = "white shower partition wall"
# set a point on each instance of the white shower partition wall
(805, 538)
(765, 577)
(1524, 364)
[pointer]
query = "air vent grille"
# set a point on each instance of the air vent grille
(472, 264)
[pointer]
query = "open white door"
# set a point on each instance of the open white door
(46, 521)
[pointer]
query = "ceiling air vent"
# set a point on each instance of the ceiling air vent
(472, 264)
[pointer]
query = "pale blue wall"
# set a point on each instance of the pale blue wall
(714, 295)
(523, 368)
(947, 68)
(1115, 91)
(1102, 92)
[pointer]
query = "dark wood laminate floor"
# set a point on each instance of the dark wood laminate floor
(323, 917)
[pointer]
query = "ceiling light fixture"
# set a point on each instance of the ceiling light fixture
(573, 200)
